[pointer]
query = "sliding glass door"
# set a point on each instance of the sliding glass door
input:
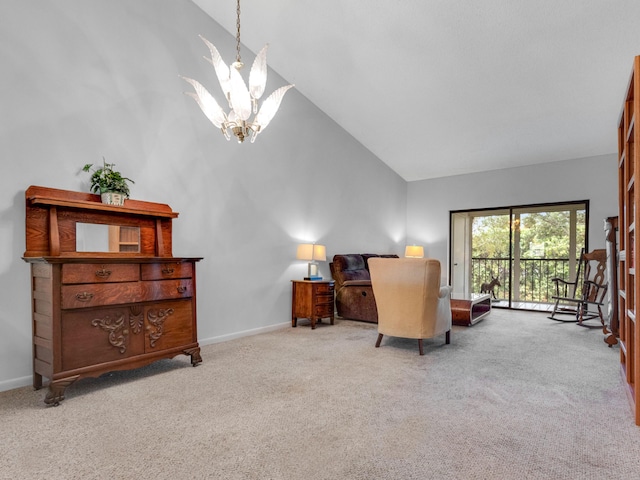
(514, 252)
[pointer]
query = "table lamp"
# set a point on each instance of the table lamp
(414, 251)
(312, 253)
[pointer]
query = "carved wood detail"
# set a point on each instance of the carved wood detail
(116, 328)
(136, 318)
(157, 317)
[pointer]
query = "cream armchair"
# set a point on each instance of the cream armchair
(410, 301)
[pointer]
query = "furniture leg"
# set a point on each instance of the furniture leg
(585, 314)
(194, 353)
(37, 381)
(555, 308)
(610, 339)
(601, 318)
(379, 340)
(420, 346)
(448, 337)
(56, 390)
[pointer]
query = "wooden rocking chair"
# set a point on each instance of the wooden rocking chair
(588, 291)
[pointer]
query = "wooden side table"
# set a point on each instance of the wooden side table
(312, 299)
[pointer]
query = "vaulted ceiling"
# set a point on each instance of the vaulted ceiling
(444, 87)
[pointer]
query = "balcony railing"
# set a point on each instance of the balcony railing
(534, 283)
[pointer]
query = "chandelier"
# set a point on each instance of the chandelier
(243, 101)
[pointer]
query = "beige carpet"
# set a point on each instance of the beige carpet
(517, 396)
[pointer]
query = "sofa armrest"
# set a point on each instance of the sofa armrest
(357, 283)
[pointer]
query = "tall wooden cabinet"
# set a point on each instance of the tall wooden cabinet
(107, 293)
(629, 200)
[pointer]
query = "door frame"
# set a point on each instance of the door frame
(462, 250)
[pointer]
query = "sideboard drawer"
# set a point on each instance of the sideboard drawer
(86, 295)
(99, 272)
(166, 290)
(161, 271)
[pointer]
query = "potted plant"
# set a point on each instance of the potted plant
(108, 183)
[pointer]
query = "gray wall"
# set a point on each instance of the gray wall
(430, 201)
(83, 79)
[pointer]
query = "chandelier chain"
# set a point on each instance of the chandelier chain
(238, 33)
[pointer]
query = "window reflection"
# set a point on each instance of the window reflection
(93, 237)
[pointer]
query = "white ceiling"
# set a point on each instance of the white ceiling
(444, 87)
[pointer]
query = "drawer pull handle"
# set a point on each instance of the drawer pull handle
(167, 270)
(84, 296)
(182, 289)
(103, 273)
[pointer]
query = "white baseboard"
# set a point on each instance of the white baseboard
(15, 383)
(244, 333)
(24, 381)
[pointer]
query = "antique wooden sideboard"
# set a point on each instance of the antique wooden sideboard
(107, 293)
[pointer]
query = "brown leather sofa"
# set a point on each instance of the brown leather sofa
(354, 295)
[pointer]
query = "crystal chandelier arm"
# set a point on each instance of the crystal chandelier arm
(222, 71)
(240, 99)
(207, 103)
(270, 107)
(258, 75)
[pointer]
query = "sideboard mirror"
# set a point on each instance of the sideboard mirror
(99, 238)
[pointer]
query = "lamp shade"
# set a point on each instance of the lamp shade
(414, 251)
(319, 253)
(311, 251)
